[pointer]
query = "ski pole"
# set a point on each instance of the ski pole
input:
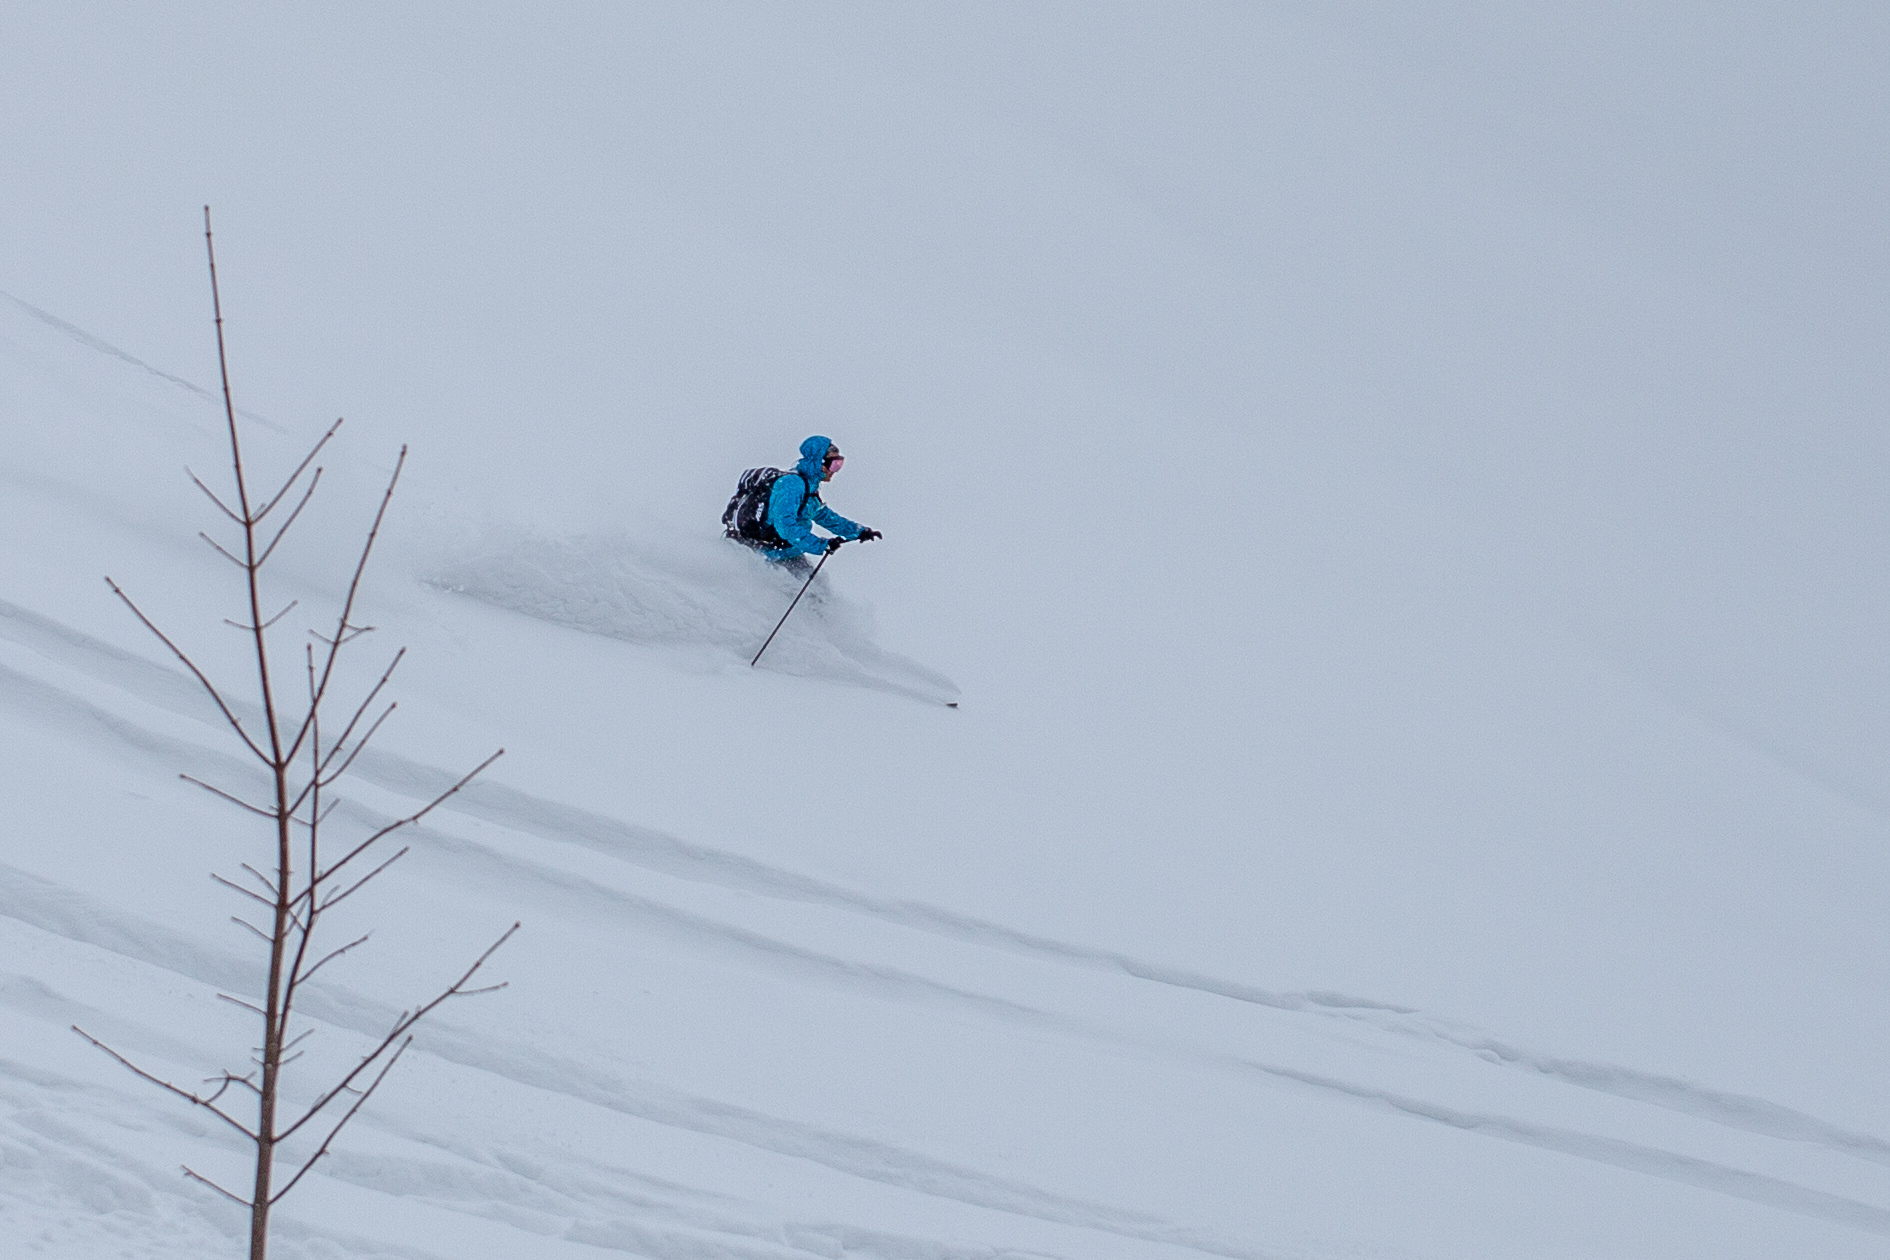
(790, 608)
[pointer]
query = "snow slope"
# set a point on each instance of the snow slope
(1394, 492)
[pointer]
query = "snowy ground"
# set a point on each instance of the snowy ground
(1396, 502)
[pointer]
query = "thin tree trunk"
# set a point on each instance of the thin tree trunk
(295, 913)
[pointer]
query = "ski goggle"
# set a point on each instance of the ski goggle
(835, 460)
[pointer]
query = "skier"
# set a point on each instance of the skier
(774, 511)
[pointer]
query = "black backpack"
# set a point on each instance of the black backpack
(745, 519)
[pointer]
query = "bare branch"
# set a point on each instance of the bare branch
(359, 747)
(402, 1023)
(308, 975)
(218, 547)
(225, 1080)
(307, 459)
(158, 1081)
(351, 889)
(367, 701)
(237, 625)
(323, 876)
(264, 880)
(238, 888)
(211, 495)
(321, 817)
(236, 1001)
(347, 635)
(343, 1122)
(194, 1176)
(312, 728)
(192, 667)
(251, 926)
(342, 622)
(406, 1021)
(268, 551)
(217, 791)
(459, 989)
(228, 1079)
(223, 369)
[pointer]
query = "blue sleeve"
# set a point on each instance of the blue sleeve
(784, 515)
(830, 519)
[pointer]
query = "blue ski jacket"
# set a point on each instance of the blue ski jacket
(794, 505)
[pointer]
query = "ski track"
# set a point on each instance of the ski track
(99, 344)
(895, 1166)
(87, 1193)
(91, 1190)
(655, 851)
(522, 1065)
(623, 1211)
(79, 918)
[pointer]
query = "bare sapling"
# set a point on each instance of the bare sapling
(302, 755)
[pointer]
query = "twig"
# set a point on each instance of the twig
(220, 550)
(336, 899)
(308, 975)
(307, 459)
(164, 1084)
(405, 1021)
(314, 481)
(265, 625)
(324, 876)
(192, 667)
(211, 495)
(238, 888)
(320, 763)
(359, 747)
(234, 800)
(347, 605)
(343, 1122)
(196, 1176)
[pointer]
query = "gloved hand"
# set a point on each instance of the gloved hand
(868, 535)
(833, 545)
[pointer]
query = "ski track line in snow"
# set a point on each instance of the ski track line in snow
(899, 984)
(656, 851)
(538, 1199)
(653, 850)
(1773, 1192)
(78, 918)
(527, 1196)
(71, 1183)
(72, 916)
(104, 347)
(70, 1169)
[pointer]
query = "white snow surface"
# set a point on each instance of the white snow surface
(1395, 492)
(713, 600)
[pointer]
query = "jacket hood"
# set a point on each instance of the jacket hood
(813, 457)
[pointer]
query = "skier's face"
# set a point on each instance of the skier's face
(833, 465)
